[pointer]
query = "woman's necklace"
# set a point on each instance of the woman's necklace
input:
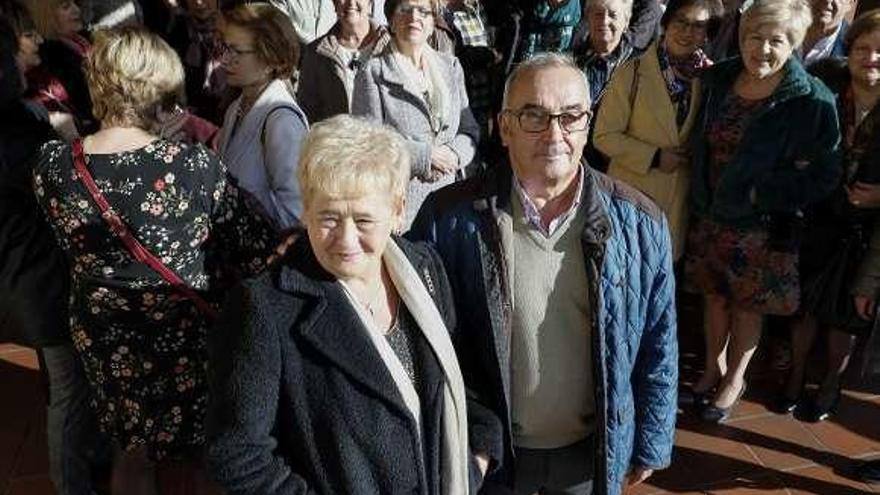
(862, 107)
(861, 113)
(247, 101)
(752, 88)
(371, 303)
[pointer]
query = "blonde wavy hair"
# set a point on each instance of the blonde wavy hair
(132, 74)
(795, 16)
(345, 156)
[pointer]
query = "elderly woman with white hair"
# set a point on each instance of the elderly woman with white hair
(421, 93)
(769, 147)
(337, 373)
(606, 46)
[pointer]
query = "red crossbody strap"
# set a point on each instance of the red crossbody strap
(121, 231)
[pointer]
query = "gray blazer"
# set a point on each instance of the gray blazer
(382, 94)
(262, 152)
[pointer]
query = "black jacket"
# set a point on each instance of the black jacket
(302, 403)
(33, 273)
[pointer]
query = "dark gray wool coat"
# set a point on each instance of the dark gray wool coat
(303, 404)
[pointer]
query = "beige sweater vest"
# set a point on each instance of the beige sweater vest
(552, 391)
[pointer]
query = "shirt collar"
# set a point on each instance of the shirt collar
(533, 216)
(823, 47)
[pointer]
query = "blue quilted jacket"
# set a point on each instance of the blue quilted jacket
(629, 266)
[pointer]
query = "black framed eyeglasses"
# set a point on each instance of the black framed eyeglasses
(685, 24)
(535, 120)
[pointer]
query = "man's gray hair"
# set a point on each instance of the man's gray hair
(540, 61)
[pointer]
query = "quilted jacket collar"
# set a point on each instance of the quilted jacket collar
(496, 197)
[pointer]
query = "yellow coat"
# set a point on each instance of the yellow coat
(629, 129)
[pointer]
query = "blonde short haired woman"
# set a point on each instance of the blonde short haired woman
(351, 333)
(140, 329)
(769, 147)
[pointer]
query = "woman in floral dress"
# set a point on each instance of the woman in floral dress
(752, 172)
(143, 342)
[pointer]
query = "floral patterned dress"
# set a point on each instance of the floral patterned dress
(738, 263)
(144, 344)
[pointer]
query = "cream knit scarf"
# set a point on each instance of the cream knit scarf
(455, 453)
(426, 81)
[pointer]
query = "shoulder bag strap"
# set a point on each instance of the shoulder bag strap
(134, 247)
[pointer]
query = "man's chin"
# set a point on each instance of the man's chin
(555, 162)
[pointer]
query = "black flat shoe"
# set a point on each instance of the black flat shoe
(714, 414)
(869, 472)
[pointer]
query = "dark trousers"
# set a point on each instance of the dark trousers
(74, 441)
(563, 471)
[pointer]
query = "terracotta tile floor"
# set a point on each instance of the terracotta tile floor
(757, 452)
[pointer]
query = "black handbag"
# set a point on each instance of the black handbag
(827, 296)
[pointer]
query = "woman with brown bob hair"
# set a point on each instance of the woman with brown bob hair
(264, 127)
(140, 219)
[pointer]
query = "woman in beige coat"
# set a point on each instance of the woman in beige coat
(650, 107)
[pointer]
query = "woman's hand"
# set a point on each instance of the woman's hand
(64, 125)
(482, 463)
(443, 160)
(863, 195)
(671, 159)
(865, 307)
(171, 124)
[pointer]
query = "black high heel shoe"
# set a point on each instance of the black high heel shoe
(786, 405)
(816, 413)
(714, 414)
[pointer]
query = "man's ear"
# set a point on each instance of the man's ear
(504, 127)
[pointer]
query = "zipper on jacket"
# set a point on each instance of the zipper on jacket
(594, 255)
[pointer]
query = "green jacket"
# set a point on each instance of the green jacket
(789, 155)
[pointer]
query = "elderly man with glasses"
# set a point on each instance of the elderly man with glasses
(564, 288)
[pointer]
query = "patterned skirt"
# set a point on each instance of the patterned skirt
(739, 265)
(145, 356)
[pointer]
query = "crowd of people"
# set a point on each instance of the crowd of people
(425, 246)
